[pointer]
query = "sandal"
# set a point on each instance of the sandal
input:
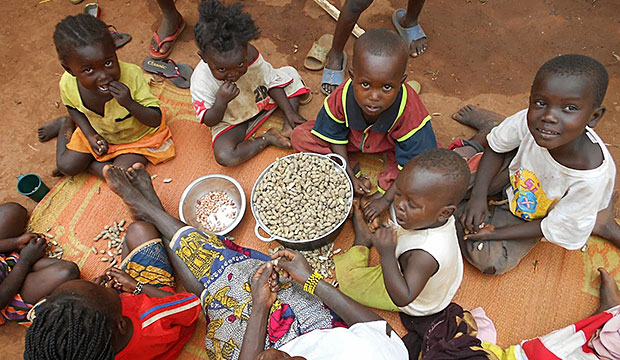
(408, 34)
(120, 38)
(156, 54)
(333, 77)
(179, 74)
(315, 58)
(92, 9)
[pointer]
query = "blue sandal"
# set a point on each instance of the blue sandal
(334, 77)
(409, 34)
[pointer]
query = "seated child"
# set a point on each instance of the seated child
(118, 119)
(26, 275)
(560, 174)
(421, 266)
(234, 90)
(373, 112)
(89, 320)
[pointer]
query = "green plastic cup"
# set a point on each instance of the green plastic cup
(31, 185)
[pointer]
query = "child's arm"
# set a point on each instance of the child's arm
(358, 186)
(225, 94)
(17, 243)
(375, 207)
(292, 117)
(34, 250)
(123, 282)
(417, 267)
(476, 209)
(97, 143)
(149, 116)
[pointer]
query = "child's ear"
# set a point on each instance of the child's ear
(66, 68)
(596, 116)
(446, 212)
(402, 81)
(351, 73)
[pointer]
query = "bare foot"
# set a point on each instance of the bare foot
(333, 62)
(51, 129)
(363, 236)
(167, 27)
(287, 129)
(417, 47)
(477, 118)
(57, 173)
(141, 180)
(610, 294)
(274, 137)
(118, 182)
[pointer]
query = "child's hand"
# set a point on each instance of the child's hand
(474, 214)
(485, 233)
(23, 240)
(120, 280)
(360, 186)
(384, 240)
(227, 91)
(293, 265)
(100, 280)
(121, 93)
(374, 208)
(295, 119)
(34, 250)
(262, 294)
(98, 144)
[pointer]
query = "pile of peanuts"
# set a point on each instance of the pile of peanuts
(115, 238)
(302, 197)
(215, 211)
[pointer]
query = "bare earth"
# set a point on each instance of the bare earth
(480, 52)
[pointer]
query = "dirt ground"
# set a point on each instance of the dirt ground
(483, 52)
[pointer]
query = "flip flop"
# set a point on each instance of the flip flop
(333, 77)
(415, 86)
(179, 74)
(156, 54)
(92, 9)
(315, 58)
(408, 34)
(120, 38)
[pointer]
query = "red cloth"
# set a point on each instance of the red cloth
(161, 326)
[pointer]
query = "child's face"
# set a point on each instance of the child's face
(559, 110)
(418, 201)
(94, 66)
(376, 82)
(228, 66)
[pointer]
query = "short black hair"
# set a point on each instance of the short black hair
(447, 163)
(223, 28)
(381, 42)
(581, 65)
(66, 327)
(79, 30)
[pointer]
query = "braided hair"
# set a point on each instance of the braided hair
(223, 28)
(65, 327)
(79, 30)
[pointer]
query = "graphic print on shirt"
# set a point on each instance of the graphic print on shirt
(530, 201)
(261, 97)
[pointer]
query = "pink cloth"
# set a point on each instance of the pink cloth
(606, 342)
(486, 329)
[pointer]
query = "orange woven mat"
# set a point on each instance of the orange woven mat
(550, 289)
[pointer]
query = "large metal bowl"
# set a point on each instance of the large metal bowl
(307, 244)
(204, 185)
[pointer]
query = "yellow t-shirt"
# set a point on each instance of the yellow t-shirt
(117, 125)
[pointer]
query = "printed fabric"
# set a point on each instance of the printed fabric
(17, 309)
(148, 263)
(226, 270)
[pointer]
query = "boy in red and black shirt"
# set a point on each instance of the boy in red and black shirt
(373, 112)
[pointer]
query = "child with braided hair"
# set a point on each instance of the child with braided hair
(234, 90)
(118, 119)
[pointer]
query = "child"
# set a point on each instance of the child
(373, 112)
(234, 90)
(118, 119)
(89, 320)
(26, 275)
(561, 173)
(421, 267)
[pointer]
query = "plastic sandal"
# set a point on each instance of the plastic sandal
(92, 9)
(120, 38)
(315, 58)
(179, 74)
(156, 54)
(408, 34)
(333, 77)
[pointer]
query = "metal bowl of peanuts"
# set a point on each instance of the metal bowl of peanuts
(302, 200)
(213, 203)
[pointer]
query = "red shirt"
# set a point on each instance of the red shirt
(161, 326)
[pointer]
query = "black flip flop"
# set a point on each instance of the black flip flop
(179, 74)
(120, 38)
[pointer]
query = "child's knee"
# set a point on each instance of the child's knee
(226, 158)
(13, 218)
(67, 270)
(138, 233)
(14, 211)
(68, 169)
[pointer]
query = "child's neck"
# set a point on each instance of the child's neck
(579, 154)
(370, 119)
(120, 340)
(93, 101)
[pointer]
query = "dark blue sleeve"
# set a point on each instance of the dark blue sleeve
(329, 129)
(422, 140)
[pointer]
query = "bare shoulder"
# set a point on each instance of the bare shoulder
(252, 53)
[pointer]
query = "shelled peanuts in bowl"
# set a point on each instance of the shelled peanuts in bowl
(213, 203)
(301, 199)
